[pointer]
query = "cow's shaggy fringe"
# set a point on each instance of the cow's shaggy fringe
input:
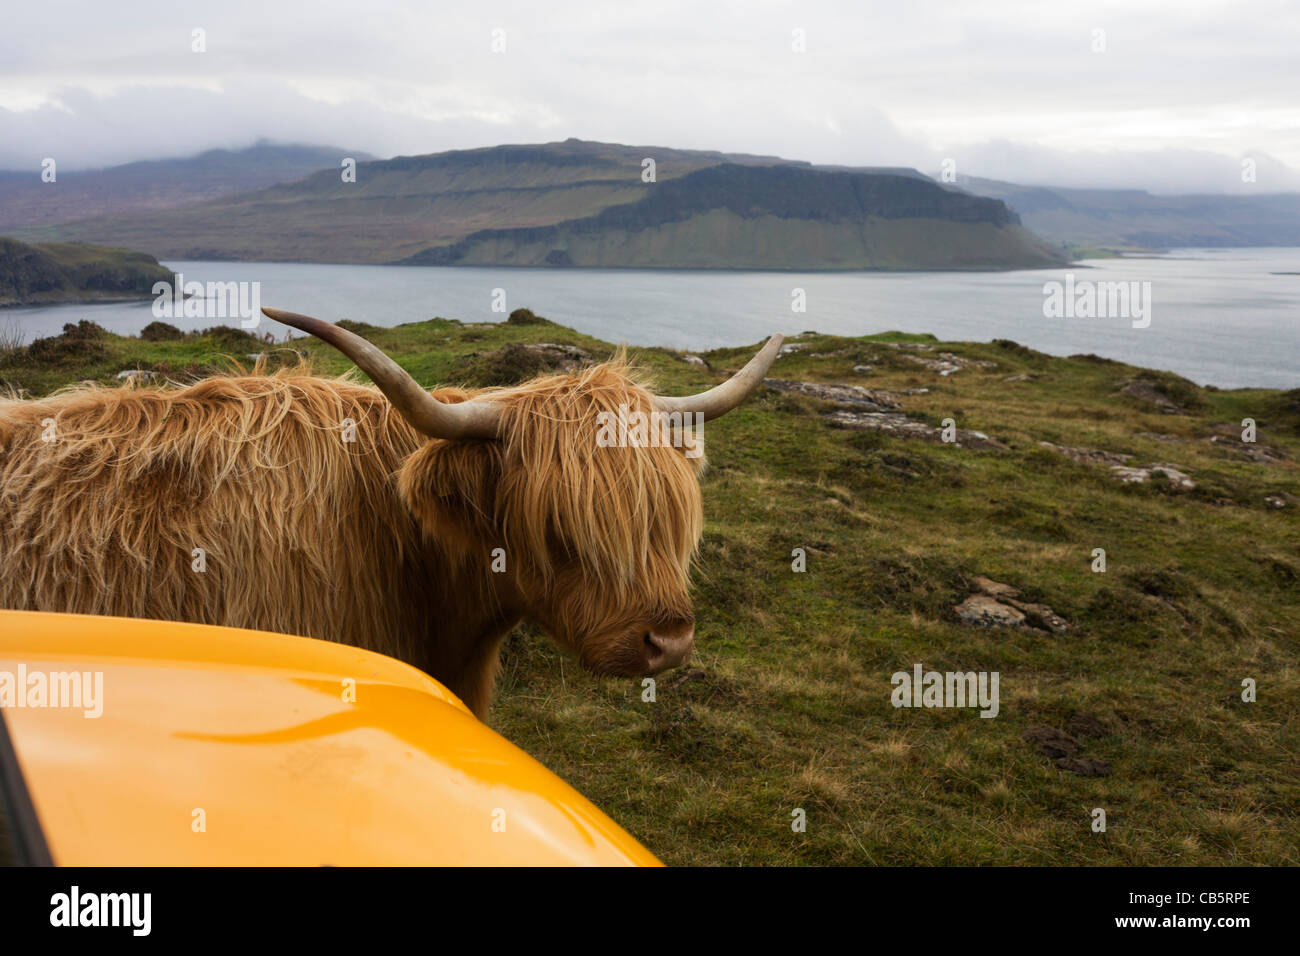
(385, 542)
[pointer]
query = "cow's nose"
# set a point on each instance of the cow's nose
(668, 646)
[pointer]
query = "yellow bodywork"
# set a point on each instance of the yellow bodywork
(219, 746)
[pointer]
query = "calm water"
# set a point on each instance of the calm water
(1223, 317)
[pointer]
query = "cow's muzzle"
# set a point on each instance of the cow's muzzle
(668, 646)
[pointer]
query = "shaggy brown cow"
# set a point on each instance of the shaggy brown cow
(239, 501)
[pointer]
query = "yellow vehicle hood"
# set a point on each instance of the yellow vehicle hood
(219, 746)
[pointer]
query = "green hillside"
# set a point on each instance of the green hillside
(770, 217)
(74, 272)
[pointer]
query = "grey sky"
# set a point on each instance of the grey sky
(1010, 90)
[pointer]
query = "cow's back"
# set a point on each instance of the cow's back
(255, 501)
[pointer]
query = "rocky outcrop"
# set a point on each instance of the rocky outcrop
(1148, 394)
(999, 605)
(900, 426)
(1177, 479)
(1088, 456)
(852, 395)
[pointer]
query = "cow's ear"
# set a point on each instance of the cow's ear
(450, 488)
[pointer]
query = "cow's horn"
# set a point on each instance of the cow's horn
(425, 413)
(723, 398)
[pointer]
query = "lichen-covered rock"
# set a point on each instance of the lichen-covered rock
(851, 395)
(980, 610)
(1089, 456)
(1178, 479)
(899, 425)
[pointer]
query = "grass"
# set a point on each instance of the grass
(787, 703)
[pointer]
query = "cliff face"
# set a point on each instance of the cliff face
(73, 272)
(765, 217)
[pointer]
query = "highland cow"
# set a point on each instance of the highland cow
(420, 525)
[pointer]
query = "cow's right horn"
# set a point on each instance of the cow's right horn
(424, 412)
(721, 399)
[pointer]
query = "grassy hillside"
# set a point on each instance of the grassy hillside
(770, 217)
(1134, 673)
(74, 272)
(577, 203)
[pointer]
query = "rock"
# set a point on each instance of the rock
(850, 395)
(1275, 501)
(1259, 454)
(791, 347)
(995, 588)
(899, 425)
(864, 369)
(1008, 597)
(945, 363)
(1050, 619)
(1022, 377)
(695, 360)
(1130, 476)
(136, 375)
(1146, 392)
(1158, 436)
(980, 610)
(1050, 742)
(1178, 480)
(1089, 456)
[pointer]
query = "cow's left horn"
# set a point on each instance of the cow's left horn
(425, 413)
(723, 398)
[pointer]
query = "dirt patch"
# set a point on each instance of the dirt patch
(1065, 751)
(1082, 724)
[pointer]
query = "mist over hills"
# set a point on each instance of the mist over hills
(27, 202)
(1133, 219)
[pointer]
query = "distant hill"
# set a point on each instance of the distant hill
(769, 217)
(27, 202)
(494, 206)
(1131, 219)
(74, 272)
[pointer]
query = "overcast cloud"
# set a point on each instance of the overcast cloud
(1011, 90)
